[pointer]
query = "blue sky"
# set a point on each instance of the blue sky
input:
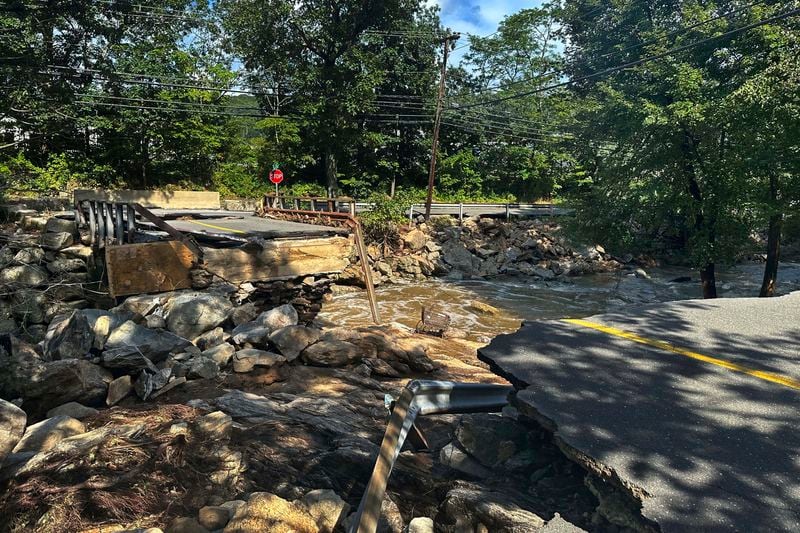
(479, 17)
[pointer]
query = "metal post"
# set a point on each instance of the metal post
(92, 223)
(460, 213)
(508, 212)
(119, 233)
(131, 224)
(411, 214)
(437, 123)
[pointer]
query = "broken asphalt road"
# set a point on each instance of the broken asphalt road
(695, 404)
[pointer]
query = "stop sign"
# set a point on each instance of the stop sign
(276, 176)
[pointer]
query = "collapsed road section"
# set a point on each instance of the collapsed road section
(691, 408)
(163, 249)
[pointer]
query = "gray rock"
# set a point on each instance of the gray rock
(278, 318)
(168, 387)
(640, 273)
(148, 383)
(103, 323)
(29, 306)
(118, 389)
(202, 368)
(57, 382)
(154, 344)
(211, 338)
(46, 434)
(246, 360)
(155, 322)
(221, 354)
(64, 264)
(186, 524)
(141, 305)
(251, 333)
(56, 241)
(68, 337)
(29, 275)
(292, 340)
(244, 313)
(12, 427)
(60, 225)
(332, 353)
(192, 313)
(473, 507)
(29, 256)
(326, 508)
(455, 458)
(455, 254)
(72, 409)
(420, 525)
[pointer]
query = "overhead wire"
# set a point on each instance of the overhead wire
(637, 62)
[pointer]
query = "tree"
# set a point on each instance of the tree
(662, 165)
(326, 55)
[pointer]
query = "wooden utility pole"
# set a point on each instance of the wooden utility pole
(437, 121)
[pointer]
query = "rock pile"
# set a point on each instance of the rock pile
(42, 276)
(483, 248)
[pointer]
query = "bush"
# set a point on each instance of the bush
(61, 174)
(382, 221)
(237, 180)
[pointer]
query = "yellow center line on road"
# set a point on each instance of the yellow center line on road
(217, 227)
(663, 345)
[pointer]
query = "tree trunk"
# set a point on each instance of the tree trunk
(773, 255)
(330, 172)
(708, 280)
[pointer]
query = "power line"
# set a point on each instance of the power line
(628, 48)
(637, 62)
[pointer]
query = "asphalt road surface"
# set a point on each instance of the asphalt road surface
(239, 225)
(694, 403)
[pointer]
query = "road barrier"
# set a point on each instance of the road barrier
(420, 397)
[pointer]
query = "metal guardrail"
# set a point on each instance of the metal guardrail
(351, 222)
(420, 397)
(338, 204)
(114, 223)
(506, 208)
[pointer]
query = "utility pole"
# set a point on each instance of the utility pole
(437, 121)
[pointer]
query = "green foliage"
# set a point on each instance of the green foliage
(237, 180)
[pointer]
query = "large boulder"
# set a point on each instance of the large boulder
(247, 359)
(278, 318)
(331, 353)
(68, 380)
(126, 360)
(60, 225)
(103, 323)
(29, 306)
(68, 337)
(191, 313)
(473, 508)
(153, 344)
(455, 254)
(12, 427)
(30, 275)
(244, 313)
(46, 434)
(220, 354)
(250, 333)
(29, 256)
(18, 362)
(267, 512)
(56, 241)
(72, 409)
(326, 508)
(118, 390)
(415, 239)
(292, 340)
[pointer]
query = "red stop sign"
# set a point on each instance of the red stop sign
(276, 176)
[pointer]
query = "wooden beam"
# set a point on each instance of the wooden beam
(279, 259)
(148, 267)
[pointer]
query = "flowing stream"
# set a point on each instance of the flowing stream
(519, 298)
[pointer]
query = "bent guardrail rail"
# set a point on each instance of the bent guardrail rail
(420, 397)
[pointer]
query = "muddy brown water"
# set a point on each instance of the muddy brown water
(519, 298)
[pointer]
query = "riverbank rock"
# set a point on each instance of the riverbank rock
(192, 313)
(153, 344)
(331, 353)
(118, 390)
(246, 360)
(72, 409)
(326, 508)
(68, 337)
(279, 317)
(471, 508)
(12, 427)
(268, 512)
(29, 275)
(70, 380)
(44, 435)
(292, 340)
